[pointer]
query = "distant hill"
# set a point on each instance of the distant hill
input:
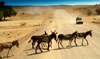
(83, 9)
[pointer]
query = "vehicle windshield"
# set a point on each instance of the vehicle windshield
(78, 18)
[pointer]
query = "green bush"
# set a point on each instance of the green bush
(6, 10)
(1, 15)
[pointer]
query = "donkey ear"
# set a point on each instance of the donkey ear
(91, 30)
(55, 31)
(51, 32)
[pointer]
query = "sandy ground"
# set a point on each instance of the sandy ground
(64, 23)
(21, 29)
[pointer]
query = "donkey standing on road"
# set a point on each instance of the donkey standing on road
(45, 38)
(9, 45)
(69, 37)
(84, 35)
(34, 39)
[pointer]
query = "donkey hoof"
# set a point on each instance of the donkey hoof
(67, 46)
(82, 44)
(76, 45)
(7, 57)
(87, 43)
(35, 52)
(41, 51)
(48, 49)
(32, 47)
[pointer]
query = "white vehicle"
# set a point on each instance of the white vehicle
(79, 20)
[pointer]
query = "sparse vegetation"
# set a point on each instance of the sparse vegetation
(94, 18)
(1, 15)
(23, 23)
(89, 13)
(98, 11)
(6, 11)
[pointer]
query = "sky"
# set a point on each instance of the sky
(50, 2)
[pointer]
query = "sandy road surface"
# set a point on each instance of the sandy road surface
(62, 24)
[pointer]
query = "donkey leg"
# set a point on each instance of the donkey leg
(68, 44)
(51, 44)
(82, 41)
(40, 48)
(33, 43)
(87, 41)
(42, 45)
(8, 52)
(75, 41)
(61, 44)
(37, 47)
(48, 46)
(58, 44)
(12, 52)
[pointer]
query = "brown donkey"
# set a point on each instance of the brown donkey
(9, 45)
(35, 37)
(66, 37)
(45, 38)
(83, 36)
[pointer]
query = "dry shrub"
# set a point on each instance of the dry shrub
(23, 23)
(94, 18)
(98, 11)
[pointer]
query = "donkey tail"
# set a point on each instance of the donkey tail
(29, 41)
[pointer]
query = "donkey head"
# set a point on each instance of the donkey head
(54, 35)
(16, 43)
(75, 34)
(90, 33)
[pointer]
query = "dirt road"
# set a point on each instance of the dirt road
(64, 23)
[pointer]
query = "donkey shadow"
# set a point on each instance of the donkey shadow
(80, 46)
(29, 49)
(70, 47)
(34, 49)
(61, 48)
(52, 49)
(37, 53)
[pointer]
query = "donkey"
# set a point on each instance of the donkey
(35, 39)
(46, 38)
(69, 37)
(9, 45)
(83, 36)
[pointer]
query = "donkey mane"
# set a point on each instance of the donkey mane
(87, 32)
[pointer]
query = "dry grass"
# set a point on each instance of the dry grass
(22, 24)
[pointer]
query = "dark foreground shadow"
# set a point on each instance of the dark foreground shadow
(34, 49)
(53, 49)
(37, 53)
(30, 49)
(70, 47)
(79, 45)
(62, 48)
